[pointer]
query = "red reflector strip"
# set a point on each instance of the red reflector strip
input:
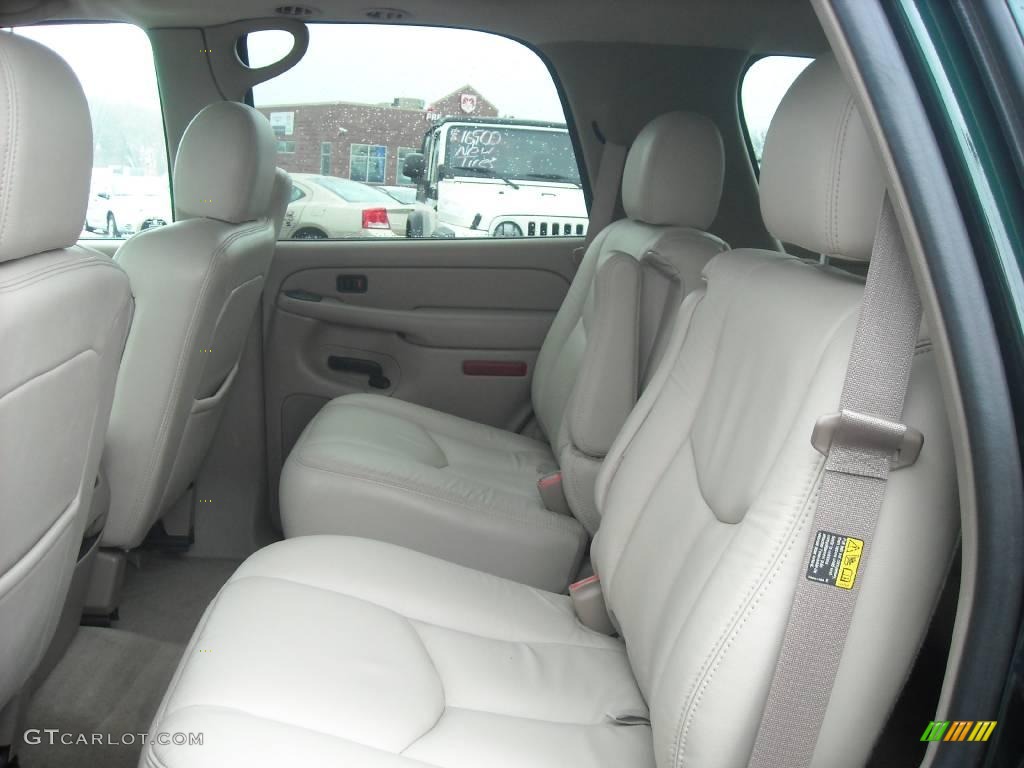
(548, 480)
(583, 582)
(494, 367)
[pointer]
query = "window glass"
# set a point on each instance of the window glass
(353, 191)
(764, 85)
(325, 158)
(368, 163)
(114, 62)
(470, 142)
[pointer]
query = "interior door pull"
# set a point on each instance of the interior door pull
(357, 365)
(303, 295)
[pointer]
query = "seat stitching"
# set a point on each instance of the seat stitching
(837, 170)
(31, 278)
(354, 442)
(11, 154)
(426, 621)
(550, 520)
(751, 599)
(717, 654)
(685, 439)
(440, 682)
(54, 531)
(46, 371)
(391, 408)
(599, 724)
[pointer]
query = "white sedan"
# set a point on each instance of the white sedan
(114, 214)
(324, 207)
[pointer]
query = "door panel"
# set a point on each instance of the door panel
(401, 318)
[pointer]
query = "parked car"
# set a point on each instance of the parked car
(329, 207)
(405, 195)
(129, 208)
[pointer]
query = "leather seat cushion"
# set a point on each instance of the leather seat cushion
(327, 650)
(386, 469)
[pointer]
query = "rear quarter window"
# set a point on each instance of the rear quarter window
(764, 84)
(130, 189)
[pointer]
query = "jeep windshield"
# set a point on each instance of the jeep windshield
(511, 152)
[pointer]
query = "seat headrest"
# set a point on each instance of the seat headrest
(225, 164)
(673, 173)
(45, 150)
(280, 196)
(822, 184)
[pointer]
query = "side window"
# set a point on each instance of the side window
(130, 185)
(764, 84)
(471, 142)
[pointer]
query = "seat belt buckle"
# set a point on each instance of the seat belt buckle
(552, 494)
(589, 606)
(860, 430)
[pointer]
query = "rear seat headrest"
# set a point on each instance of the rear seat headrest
(225, 164)
(45, 150)
(674, 170)
(822, 184)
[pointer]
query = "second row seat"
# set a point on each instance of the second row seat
(382, 657)
(369, 465)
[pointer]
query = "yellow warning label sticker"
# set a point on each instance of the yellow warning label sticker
(850, 563)
(835, 559)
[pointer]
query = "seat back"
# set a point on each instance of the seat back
(606, 337)
(280, 196)
(197, 284)
(64, 315)
(708, 493)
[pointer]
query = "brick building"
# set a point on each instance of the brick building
(365, 142)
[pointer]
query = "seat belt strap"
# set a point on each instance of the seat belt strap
(864, 441)
(606, 191)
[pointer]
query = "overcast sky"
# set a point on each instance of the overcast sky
(369, 63)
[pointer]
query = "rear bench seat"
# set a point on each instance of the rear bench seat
(341, 651)
(373, 466)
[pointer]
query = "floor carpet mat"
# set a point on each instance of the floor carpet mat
(111, 681)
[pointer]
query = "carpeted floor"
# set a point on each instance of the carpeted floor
(165, 595)
(111, 681)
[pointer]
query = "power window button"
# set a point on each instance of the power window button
(352, 283)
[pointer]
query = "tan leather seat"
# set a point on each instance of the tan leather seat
(64, 315)
(334, 650)
(280, 196)
(368, 465)
(197, 284)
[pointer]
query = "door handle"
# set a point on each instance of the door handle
(357, 365)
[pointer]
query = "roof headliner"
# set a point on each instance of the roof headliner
(781, 26)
